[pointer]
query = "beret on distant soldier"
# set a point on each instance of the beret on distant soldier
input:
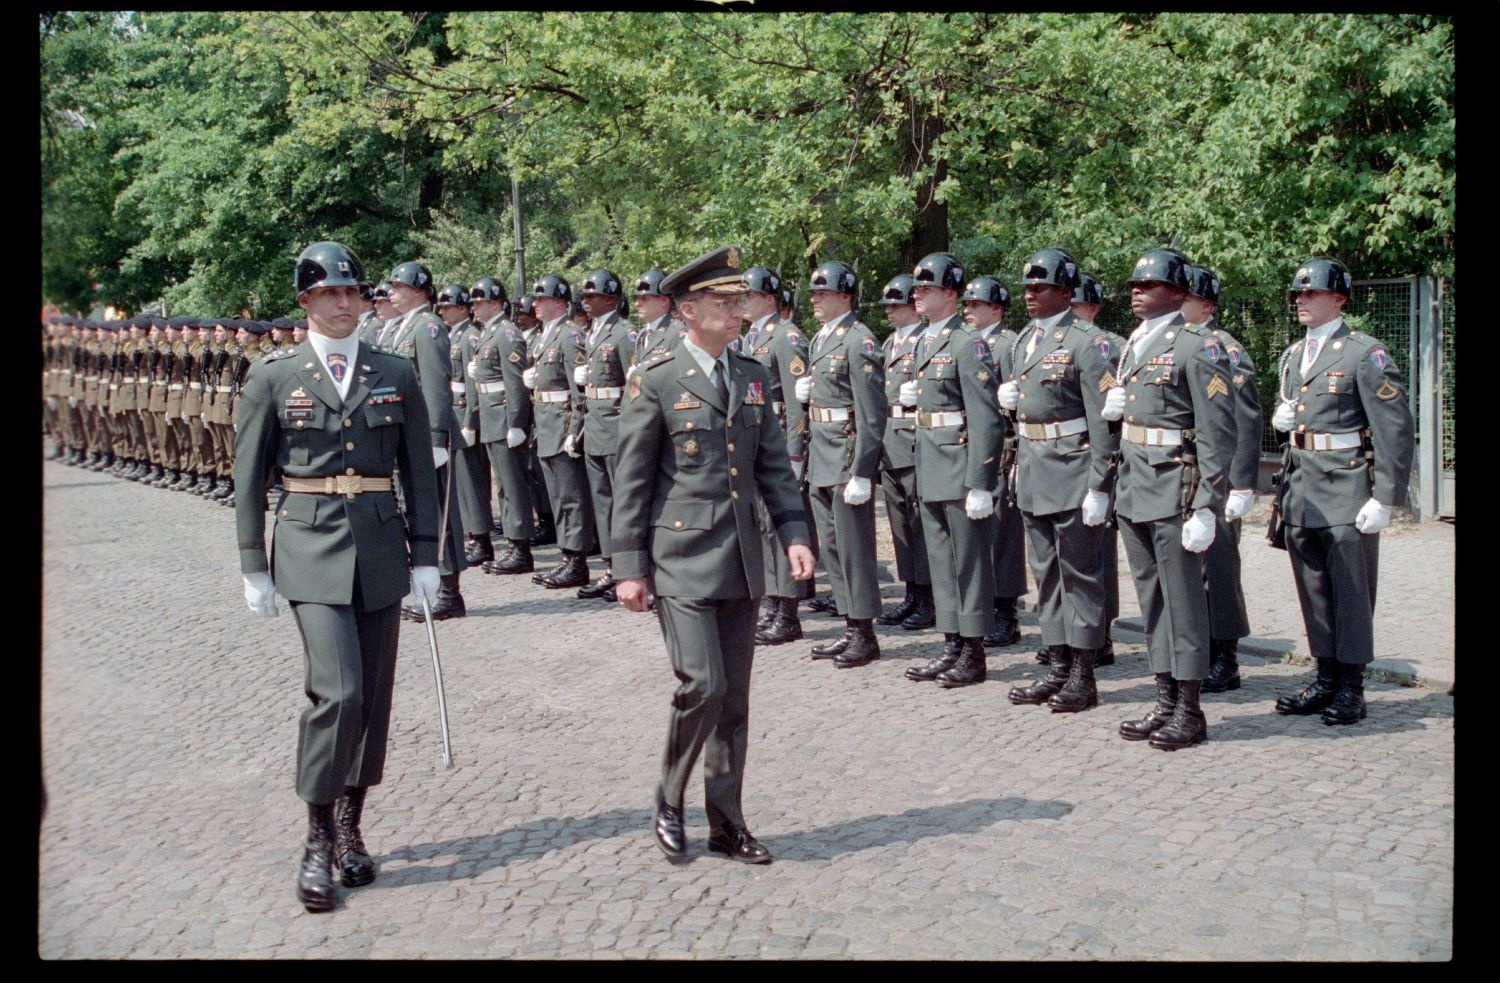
(716, 271)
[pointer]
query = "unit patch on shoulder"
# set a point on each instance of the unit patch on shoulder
(1102, 346)
(1379, 356)
(1216, 387)
(867, 345)
(1211, 348)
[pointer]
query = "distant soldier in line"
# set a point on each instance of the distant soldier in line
(659, 330)
(546, 527)
(471, 468)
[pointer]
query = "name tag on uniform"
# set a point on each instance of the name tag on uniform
(686, 402)
(754, 396)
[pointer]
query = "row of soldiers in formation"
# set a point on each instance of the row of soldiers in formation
(984, 442)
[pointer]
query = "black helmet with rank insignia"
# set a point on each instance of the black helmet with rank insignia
(648, 284)
(940, 270)
(414, 275)
(1321, 273)
(834, 276)
(898, 290)
(1051, 266)
(988, 290)
(1162, 266)
(759, 280)
(1203, 282)
(600, 282)
(453, 294)
(1089, 290)
(486, 288)
(382, 291)
(524, 305)
(552, 286)
(328, 264)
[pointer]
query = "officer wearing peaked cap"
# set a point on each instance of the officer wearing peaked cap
(696, 423)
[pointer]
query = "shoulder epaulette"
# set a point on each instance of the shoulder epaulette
(661, 359)
(279, 353)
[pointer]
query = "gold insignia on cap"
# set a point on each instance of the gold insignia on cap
(733, 258)
(1239, 380)
(1216, 387)
(1387, 391)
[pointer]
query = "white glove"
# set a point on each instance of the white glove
(52, 403)
(580, 375)
(260, 595)
(528, 378)
(979, 504)
(515, 437)
(1095, 503)
(468, 436)
(185, 417)
(1198, 531)
(73, 402)
(1372, 517)
(629, 372)
(804, 389)
(424, 583)
(1239, 504)
(797, 468)
(1285, 417)
(1010, 395)
(470, 368)
(1114, 404)
(857, 491)
(568, 443)
(439, 456)
(908, 394)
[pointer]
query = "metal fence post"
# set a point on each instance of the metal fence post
(1427, 368)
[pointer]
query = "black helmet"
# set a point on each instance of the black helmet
(1051, 266)
(367, 292)
(552, 286)
(786, 296)
(576, 308)
(899, 290)
(523, 305)
(1089, 290)
(624, 307)
(600, 282)
(382, 291)
(1162, 266)
(414, 275)
(649, 283)
(486, 288)
(940, 270)
(327, 264)
(1203, 282)
(760, 280)
(1321, 273)
(454, 294)
(834, 276)
(989, 290)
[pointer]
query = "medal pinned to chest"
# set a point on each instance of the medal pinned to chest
(1333, 381)
(384, 396)
(297, 407)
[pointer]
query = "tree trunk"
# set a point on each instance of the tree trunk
(929, 227)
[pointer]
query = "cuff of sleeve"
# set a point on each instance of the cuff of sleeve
(253, 561)
(629, 563)
(424, 554)
(793, 533)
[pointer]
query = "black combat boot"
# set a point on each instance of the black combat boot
(828, 650)
(597, 588)
(770, 607)
(479, 550)
(315, 877)
(1223, 669)
(1079, 692)
(1166, 703)
(1007, 629)
(221, 489)
(168, 479)
(824, 603)
(1188, 726)
(899, 613)
(952, 646)
(450, 602)
(205, 484)
(156, 475)
(970, 667)
(356, 867)
(516, 560)
(574, 572)
(1059, 670)
(924, 615)
(1348, 704)
(1317, 696)
(862, 648)
(785, 627)
(545, 534)
(1107, 653)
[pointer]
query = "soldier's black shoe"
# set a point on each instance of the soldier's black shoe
(1223, 668)
(497, 531)
(228, 500)
(221, 489)
(1043, 656)
(574, 573)
(1106, 654)
(1059, 671)
(545, 534)
(516, 560)
(597, 588)
(541, 578)
(1318, 695)
(736, 843)
(479, 550)
(1079, 692)
(785, 626)
(1188, 726)
(952, 646)
(824, 603)
(969, 669)
(924, 615)
(356, 866)
(899, 613)
(1166, 703)
(187, 481)
(1348, 704)
(770, 607)
(205, 484)
(862, 649)
(168, 479)
(411, 612)
(450, 603)
(828, 650)
(666, 826)
(315, 877)
(1007, 630)
(155, 475)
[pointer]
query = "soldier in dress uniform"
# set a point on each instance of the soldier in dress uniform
(1177, 443)
(386, 316)
(341, 420)
(959, 434)
(557, 408)
(471, 466)
(1058, 371)
(545, 533)
(177, 379)
(696, 423)
(1342, 405)
(1227, 619)
(198, 355)
(659, 330)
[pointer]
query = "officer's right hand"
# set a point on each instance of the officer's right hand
(979, 504)
(1095, 504)
(468, 433)
(515, 437)
(1198, 531)
(908, 394)
(804, 389)
(73, 402)
(260, 594)
(631, 592)
(1114, 404)
(1010, 395)
(1285, 417)
(528, 378)
(424, 583)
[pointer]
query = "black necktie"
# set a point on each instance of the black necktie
(720, 384)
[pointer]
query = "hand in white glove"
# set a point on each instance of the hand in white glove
(857, 491)
(515, 437)
(1198, 531)
(186, 417)
(1114, 404)
(804, 389)
(424, 583)
(580, 375)
(797, 467)
(260, 595)
(568, 445)
(528, 378)
(1285, 417)
(1239, 503)
(1010, 395)
(908, 394)
(1095, 504)
(470, 368)
(73, 402)
(1372, 517)
(439, 456)
(52, 403)
(468, 433)
(979, 504)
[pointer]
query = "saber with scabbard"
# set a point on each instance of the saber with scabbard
(437, 677)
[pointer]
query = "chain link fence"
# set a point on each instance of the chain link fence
(1450, 372)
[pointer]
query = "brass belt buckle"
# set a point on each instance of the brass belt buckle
(349, 485)
(1035, 431)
